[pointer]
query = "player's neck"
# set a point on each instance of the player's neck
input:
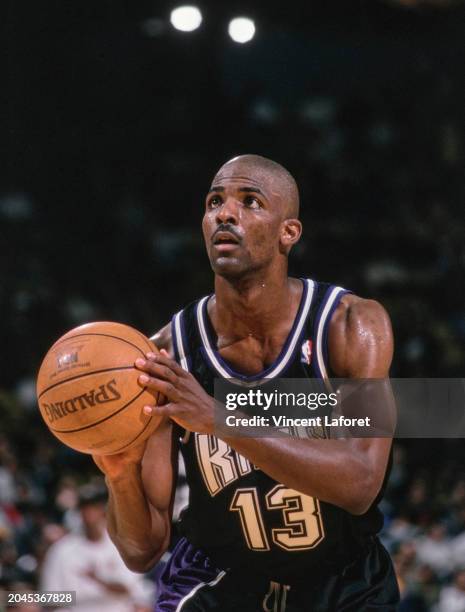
(252, 305)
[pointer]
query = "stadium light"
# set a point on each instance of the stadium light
(186, 18)
(241, 29)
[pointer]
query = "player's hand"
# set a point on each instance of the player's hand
(187, 402)
(117, 465)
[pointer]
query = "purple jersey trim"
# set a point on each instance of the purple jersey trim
(187, 570)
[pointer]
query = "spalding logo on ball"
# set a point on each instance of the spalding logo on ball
(88, 392)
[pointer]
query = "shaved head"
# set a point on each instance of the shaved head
(251, 217)
(280, 182)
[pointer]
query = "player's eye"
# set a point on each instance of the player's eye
(214, 202)
(252, 202)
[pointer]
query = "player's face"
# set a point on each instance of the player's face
(241, 225)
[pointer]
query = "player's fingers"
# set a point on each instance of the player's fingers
(156, 385)
(156, 370)
(167, 410)
(165, 360)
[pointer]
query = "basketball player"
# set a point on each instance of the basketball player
(277, 524)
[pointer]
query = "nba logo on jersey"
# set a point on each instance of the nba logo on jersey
(306, 352)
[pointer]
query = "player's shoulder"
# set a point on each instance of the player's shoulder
(163, 339)
(360, 337)
(353, 310)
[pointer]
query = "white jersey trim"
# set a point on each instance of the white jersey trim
(280, 365)
(198, 587)
(179, 341)
(323, 321)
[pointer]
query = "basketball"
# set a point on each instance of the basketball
(88, 392)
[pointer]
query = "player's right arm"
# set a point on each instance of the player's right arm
(141, 484)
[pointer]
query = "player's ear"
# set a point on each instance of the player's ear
(291, 230)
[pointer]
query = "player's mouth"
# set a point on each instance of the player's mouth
(225, 241)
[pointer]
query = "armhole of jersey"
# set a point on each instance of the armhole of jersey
(326, 310)
(180, 352)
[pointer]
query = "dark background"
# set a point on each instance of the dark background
(110, 138)
(112, 125)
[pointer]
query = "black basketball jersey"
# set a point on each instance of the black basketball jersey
(238, 514)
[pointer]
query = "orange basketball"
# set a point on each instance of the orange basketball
(88, 392)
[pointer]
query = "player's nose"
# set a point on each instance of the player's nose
(228, 212)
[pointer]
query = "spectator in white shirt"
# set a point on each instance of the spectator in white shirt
(435, 550)
(452, 598)
(90, 565)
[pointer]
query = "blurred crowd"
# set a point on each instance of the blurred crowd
(52, 532)
(424, 530)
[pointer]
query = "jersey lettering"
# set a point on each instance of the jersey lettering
(219, 463)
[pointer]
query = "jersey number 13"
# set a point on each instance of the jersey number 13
(302, 526)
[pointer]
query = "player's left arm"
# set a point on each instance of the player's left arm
(345, 472)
